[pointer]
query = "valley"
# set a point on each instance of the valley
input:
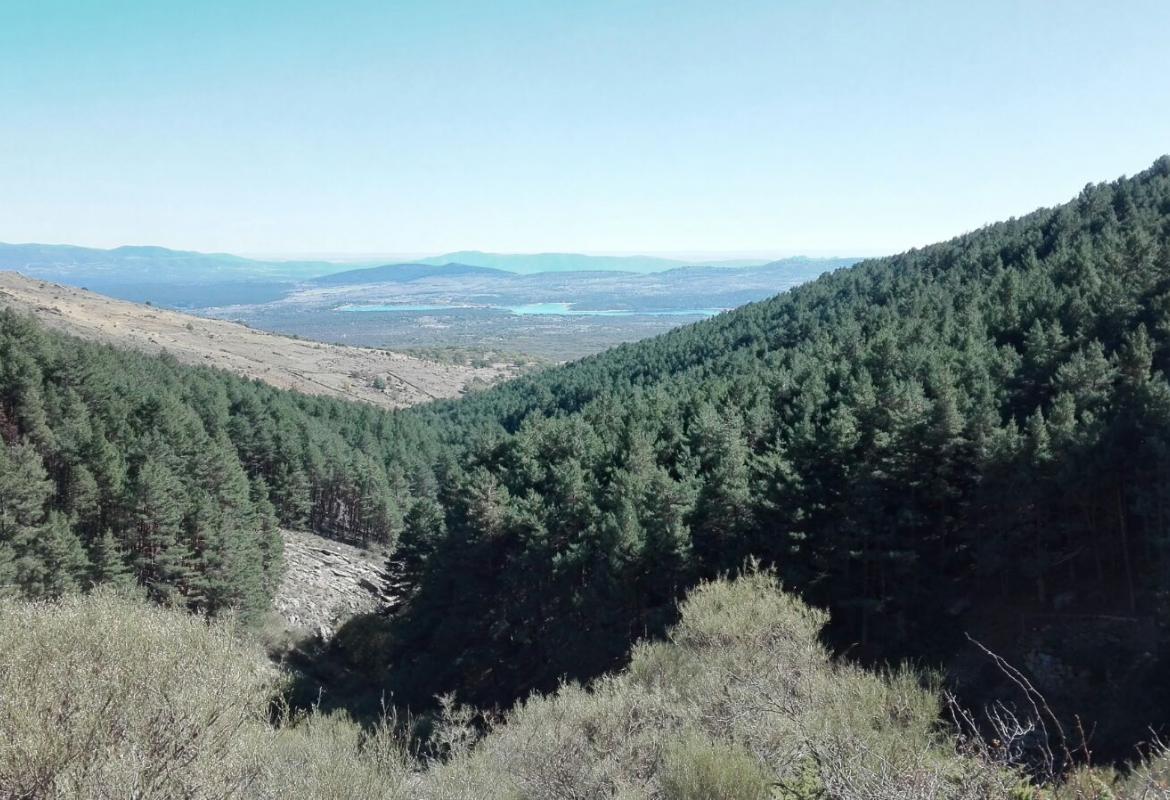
(550, 307)
(555, 316)
(725, 531)
(585, 401)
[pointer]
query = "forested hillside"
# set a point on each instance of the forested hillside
(120, 467)
(981, 424)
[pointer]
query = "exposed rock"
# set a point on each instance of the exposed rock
(326, 582)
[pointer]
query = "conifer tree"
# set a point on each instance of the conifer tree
(60, 564)
(723, 509)
(423, 530)
(25, 491)
(109, 563)
(161, 553)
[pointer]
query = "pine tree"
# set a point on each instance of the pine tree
(110, 565)
(268, 536)
(666, 558)
(161, 554)
(62, 563)
(423, 529)
(723, 509)
(25, 491)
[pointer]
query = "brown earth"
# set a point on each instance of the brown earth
(351, 373)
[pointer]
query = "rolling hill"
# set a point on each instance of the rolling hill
(389, 380)
(406, 273)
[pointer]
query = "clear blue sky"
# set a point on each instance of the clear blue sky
(781, 126)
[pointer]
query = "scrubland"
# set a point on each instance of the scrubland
(103, 696)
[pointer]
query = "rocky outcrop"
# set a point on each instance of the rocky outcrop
(326, 582)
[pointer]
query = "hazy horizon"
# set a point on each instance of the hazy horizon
(698, 255)
(600, 127)
(344, 257)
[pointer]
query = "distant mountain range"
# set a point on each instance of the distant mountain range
(424, 270)
(163, 265)
(152, 264)
(528, 263)
(188, 279)
(786, 265)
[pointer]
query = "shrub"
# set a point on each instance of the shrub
(697, 768)
(103, 697)
(107, 697)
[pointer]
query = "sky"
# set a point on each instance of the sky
(617, 126)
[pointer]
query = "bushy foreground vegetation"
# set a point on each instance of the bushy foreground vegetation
(105, 697)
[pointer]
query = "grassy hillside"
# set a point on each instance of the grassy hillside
(387, 379)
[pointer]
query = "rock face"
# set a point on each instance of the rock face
(326, 582)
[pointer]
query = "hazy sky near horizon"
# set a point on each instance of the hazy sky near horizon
(620, 125)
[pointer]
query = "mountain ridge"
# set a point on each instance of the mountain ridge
(147, 262)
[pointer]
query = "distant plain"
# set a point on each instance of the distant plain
(551, 307)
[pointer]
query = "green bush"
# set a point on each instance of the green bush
(699, 769)
(104, 696)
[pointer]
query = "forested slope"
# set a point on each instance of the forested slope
(983, 421)
(121, 467)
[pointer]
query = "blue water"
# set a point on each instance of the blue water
(540, 309)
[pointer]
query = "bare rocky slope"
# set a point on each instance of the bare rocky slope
(326, 582)
(391, 380)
